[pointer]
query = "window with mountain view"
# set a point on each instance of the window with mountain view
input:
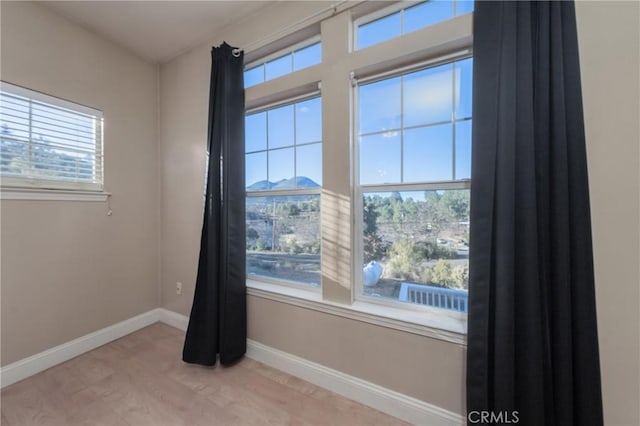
(283, 148)
(49, 143)
(414, 141)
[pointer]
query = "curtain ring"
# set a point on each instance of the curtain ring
(235, 52)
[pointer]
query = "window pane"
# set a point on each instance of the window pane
(254, 76)
(307, 56)
(463, 150)
(380, 158)
(280, 126)
(283, 238)
(256, 132)
(256, 171)
(463, 7)
(428, 96)
(380, 106)
(309, 166)
(426, 14)
(464, 87)
(428, 154)
(415, 247)
(279, 66)
(379, 30)
(309, 121)
(281, 174)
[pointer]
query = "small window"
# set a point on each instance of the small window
(414, 144)
(48, 143)
(283, 148)
(284, 62)
(391, 23)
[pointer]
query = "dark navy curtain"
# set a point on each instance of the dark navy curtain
(218, 325)
(532, 332)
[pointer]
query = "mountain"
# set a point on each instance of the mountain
(297, 182)
(259, 186)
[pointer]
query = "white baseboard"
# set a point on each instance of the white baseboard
(393, 403)
(27, 367)
(174, 319)
(399, 405)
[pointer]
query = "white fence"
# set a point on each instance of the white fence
(439, 297)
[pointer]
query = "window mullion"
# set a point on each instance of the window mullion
(401, 129)
(453, 119)
(295, 145)
(30, 151)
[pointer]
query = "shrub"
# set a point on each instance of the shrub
(427, 249)
(426, 276)
(314, 248)
(460, 277)
(441, 274)
(404, 261)
(445, 253)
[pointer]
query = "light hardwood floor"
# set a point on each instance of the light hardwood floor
(141, 380)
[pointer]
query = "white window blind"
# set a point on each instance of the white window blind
(50, 143)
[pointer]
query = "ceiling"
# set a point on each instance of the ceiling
(157, 31)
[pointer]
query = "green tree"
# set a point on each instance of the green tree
(294, 210)
(457, 202)
(433, 215)
(374, 248)
(252, 234)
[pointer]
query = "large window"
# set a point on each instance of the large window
(284, 176)
(364, 158)
(46, 142)
(414, 147)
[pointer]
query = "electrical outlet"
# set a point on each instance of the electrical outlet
(178, 288)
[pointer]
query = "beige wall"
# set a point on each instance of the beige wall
(68, 269)
(426, 368)
(609, 41)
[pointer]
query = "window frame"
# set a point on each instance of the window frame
(316, 94)
(359, 189)
(35, 187)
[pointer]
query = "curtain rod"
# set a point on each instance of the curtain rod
(313, 18)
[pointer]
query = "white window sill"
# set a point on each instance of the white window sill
(11, 193)
(434, 323)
